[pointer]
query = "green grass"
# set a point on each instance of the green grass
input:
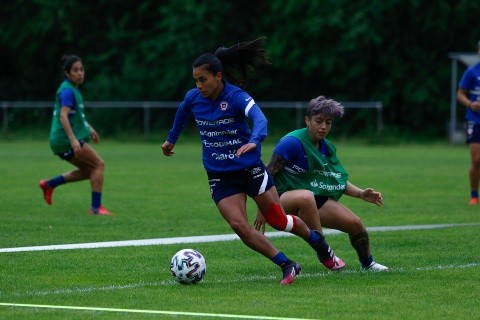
(434, 273)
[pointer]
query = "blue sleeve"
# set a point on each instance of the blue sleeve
(289, 148)
(467, 80)
(181, 117)
(67, 98)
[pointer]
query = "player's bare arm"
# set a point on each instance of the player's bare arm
(276, 164)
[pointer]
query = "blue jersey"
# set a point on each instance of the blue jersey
(291, 149)
(223, 127)
(67, 98)
(471, 83)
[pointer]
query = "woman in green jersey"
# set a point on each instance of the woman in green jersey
(310, 179)
(69, 136)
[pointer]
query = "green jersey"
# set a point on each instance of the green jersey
(325, 175)
(59, 141)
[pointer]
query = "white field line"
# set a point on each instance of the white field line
(174, 313)
(171, 282)
(168, 283)
(211, 238)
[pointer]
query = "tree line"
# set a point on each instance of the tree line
(394, 51)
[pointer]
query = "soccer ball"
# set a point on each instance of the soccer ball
(188, 266)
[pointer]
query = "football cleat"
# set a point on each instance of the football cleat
(290, 270)
(47, 191)
(333, 263)
(102, 211)
(377, 267)
(473, 201)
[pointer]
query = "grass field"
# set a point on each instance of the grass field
(434, 272)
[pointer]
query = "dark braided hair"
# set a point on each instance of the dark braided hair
(236, 61)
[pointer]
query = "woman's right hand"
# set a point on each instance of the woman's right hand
(167, 148)
(76, 146)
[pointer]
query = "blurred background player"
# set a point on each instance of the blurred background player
(69, 136)
(468, 94)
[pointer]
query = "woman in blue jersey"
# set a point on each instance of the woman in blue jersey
(231, 151)
(468, 94)
(311, 179)
(69, 136)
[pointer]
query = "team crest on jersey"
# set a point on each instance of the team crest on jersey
(223, 105)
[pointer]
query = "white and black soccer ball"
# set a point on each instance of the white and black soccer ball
(188, 266)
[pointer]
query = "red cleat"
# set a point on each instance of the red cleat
(473, 201)
(102, 211)
(334, 263)
(47, 191)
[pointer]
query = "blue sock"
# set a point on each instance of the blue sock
(96, 199)
(280, 258)
(474, 194)
(313, 238)
(319, 244)
(55, 182)
(367, 262)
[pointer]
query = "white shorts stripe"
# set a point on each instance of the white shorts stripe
(264, 183)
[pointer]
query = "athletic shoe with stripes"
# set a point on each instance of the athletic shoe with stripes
(290, 270)
(333, 263)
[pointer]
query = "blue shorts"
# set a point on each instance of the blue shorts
(68, 155)
(473, 132)
(251, 181)
(320, 201)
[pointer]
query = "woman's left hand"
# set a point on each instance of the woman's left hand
(372, 196)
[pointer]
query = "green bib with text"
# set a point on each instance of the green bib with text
(59, 141)
(325, 175)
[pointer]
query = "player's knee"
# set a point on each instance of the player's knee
(306, 196)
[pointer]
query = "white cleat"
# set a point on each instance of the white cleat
(377, 267)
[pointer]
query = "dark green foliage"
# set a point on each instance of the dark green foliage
(391, 51)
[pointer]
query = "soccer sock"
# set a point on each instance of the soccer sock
(280, 258)
(317, 242)
(55, 182)
(474, 194)
(314, 237)
(367, 262)
(96, 199)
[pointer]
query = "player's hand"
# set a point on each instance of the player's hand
(94, 135)
(372, 196)
(246, 148)
(475, 106)
(167, 148)
(260, 222)
(76, 146)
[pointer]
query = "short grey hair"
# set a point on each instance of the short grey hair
(326, 106)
